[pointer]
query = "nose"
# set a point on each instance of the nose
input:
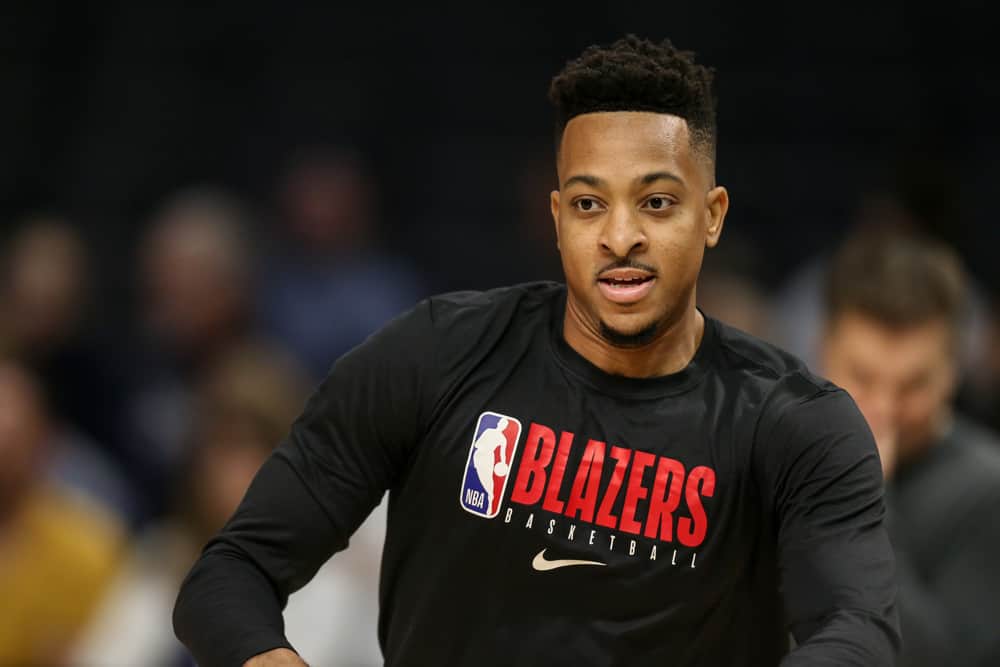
(622, 233)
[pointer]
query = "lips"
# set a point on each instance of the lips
(625, 286)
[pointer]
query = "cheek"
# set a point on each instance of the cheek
(677, 259)
(577, 252)
(919, 407)
(680, 235)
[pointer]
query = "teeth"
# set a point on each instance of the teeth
(625, 281)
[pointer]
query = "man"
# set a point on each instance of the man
(329, 260)
(671, 491)
(895, 307)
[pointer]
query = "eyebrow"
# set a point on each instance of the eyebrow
(661, 176)
(595, 182)
(586, 179)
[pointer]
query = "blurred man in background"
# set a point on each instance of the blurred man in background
(798, 305)
(896, 305)
(195, 305)
(58, 550)
(331, 284)
(45, 288)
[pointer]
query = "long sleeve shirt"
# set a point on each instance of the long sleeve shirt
(544, 512)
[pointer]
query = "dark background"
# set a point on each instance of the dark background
(109, 108)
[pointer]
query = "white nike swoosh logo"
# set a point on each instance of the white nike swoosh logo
(542, 564)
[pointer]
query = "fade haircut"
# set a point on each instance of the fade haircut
(900, 279)
(634, 74)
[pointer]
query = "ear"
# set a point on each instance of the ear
(554, 206)
(716, 206)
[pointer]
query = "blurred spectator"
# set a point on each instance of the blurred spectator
(197, 271)
(245, 406)
(45, 286)
(798, 304)
(44, 300)
(330, 285)
(57, 550)
(896, 307)
(195, 304)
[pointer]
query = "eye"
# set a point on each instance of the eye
(586, 205)
(657, 203)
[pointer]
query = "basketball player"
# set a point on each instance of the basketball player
(679, 493)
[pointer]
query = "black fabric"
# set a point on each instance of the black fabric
(944, 530)
(728, 505)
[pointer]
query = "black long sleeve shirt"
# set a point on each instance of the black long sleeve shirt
(544, 512)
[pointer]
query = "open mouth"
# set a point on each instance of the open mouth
(625, 286)
(626, 282)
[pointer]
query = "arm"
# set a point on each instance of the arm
(351, 443)
(821, 472)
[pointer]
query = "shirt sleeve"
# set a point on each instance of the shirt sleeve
(823, 480)
(351, 443)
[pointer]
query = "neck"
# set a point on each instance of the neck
(670, 351)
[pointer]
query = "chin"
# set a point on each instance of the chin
(629, 336)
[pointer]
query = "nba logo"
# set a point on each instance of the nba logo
(488, 467)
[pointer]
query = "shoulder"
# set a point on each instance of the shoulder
(447, 332)
(469, 326)
(954, 486)
(799, 413)
(971, 453)
(778, 378)
(981, 444)
(745, 352)
(469, 307)
(459, 315)
(456, 319)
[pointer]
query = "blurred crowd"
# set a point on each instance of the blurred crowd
(124, 450)
(122, 454)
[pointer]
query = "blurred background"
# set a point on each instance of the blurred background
(202, 207)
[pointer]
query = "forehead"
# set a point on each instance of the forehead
(890, 349)
(612, 139)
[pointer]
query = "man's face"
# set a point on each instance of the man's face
(901, 378)
(635, 210)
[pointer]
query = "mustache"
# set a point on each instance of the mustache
(627, 263)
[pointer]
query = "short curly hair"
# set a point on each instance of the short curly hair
(635, 74)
